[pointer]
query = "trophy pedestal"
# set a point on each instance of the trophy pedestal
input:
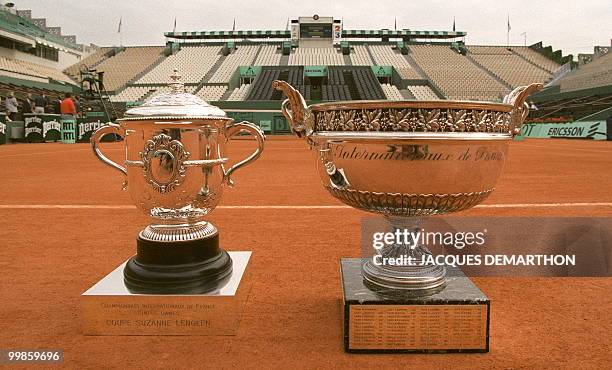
(454, 319)
(179, 267)
(108, 307)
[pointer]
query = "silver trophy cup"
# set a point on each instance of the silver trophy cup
(176, 166)
(407, 159)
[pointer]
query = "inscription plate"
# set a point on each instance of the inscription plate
(418, 327)
(108, 308)
(455, 319)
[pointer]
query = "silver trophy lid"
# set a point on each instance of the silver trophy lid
(177, 104)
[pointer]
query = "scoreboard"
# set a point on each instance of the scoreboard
(315, 30)
(315, 27)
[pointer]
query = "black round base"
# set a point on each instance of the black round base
(193, 267)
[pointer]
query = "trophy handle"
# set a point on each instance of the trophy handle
(111, 128)
(235, 129)
(520, 110)
(295, 110)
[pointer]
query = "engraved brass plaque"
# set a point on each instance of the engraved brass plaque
(418, 327)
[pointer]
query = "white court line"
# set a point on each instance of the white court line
(104, 206)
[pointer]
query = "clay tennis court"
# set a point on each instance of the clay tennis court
(66, 223)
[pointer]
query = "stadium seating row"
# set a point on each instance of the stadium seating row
(244, 55)
(193, 63)
(335, 92)
(511, 68)
(240, 93)
(131, 93)
(32, 71)
(384, 55)
(391, 92)
(138, 93)
(360, 56)
(317, 56)
(21, 71)
(261, 85)
(423, 92)
(536, 58)
(124, 66)
(593, 74)
(361, 82)
(463, 81)
(269, 55)
(90, 61)
(212, 93)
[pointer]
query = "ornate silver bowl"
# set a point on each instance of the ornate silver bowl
(408, 158)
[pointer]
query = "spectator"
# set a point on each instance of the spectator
(40, 103)
(57, 105)
(10, 103)
(28, 104)
(67, 108)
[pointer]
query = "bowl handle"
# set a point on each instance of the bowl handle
(110, 128)
(520, 110)
(235, 129)
(295, 110)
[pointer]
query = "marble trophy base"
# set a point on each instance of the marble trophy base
(454, 319)
(108, 307)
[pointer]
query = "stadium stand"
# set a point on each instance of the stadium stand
(584, 93)
(90, 61)
(509, 67)
(14, 68)
(384, 55)
(193, 62)
(49, 72)
(316, 56)
(486, 73)
(422, 92)
(212, 92)
(360, 56)
(138, 93)
(32, 71)
(240, 93)
(391, 92)
(455, 75)
(132, 93)
(244, 55)
(269, 55)
(361, 83)
(126, 65)
(536, 58)
(594, 74)
(261, 90)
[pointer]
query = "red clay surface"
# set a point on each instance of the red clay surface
(292, 318)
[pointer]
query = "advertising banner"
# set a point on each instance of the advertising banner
(42, 127)
(593, 130)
